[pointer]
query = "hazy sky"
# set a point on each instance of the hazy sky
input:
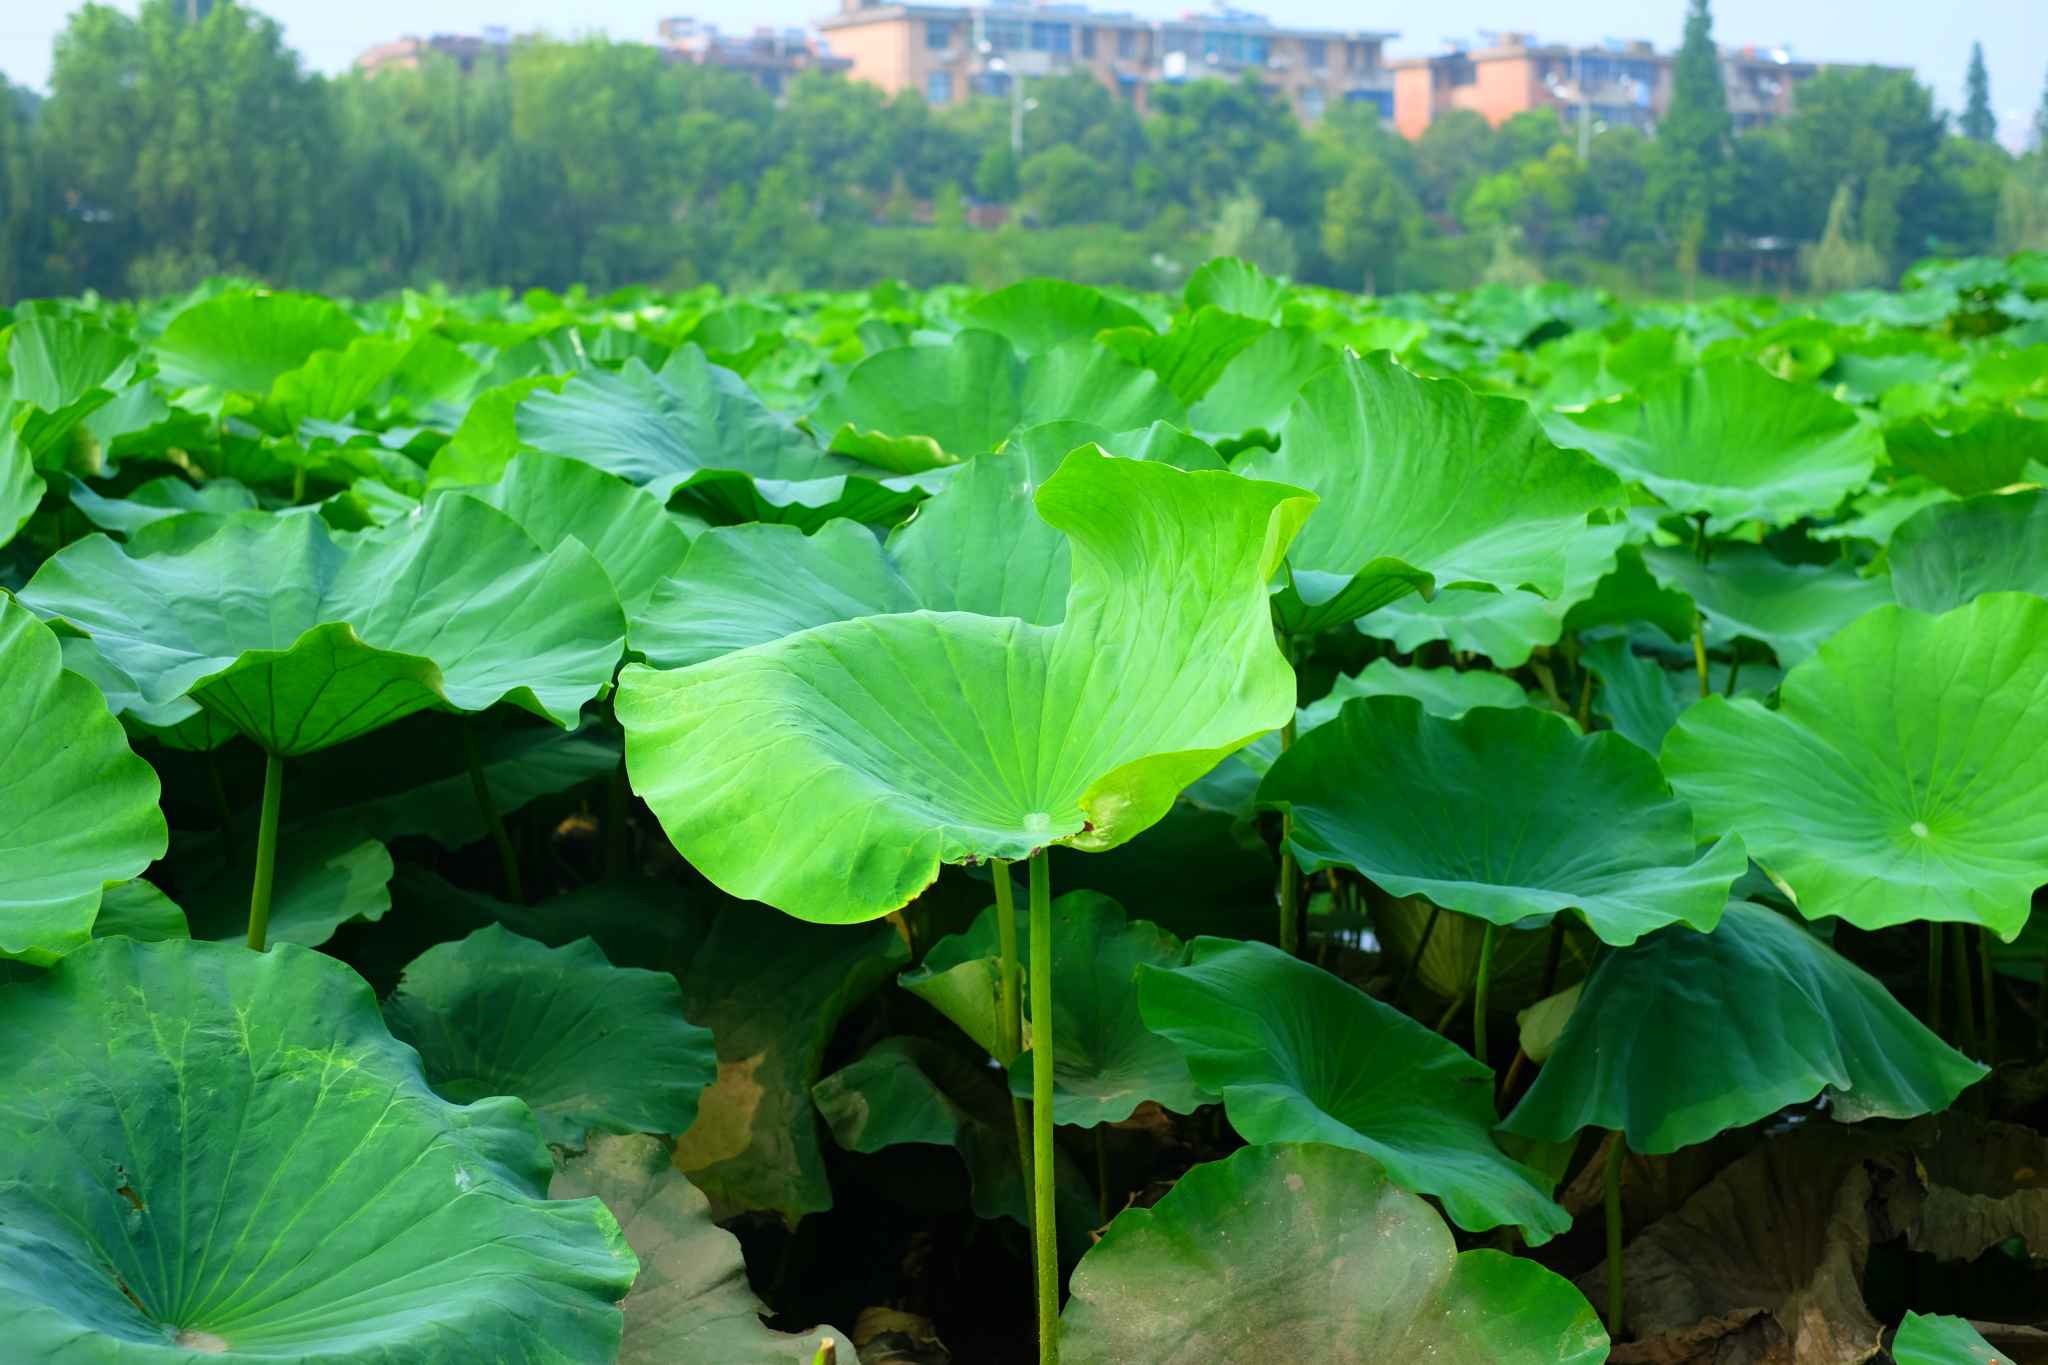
(1934, 40)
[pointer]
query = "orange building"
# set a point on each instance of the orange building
(1619, 83)
(946, 54)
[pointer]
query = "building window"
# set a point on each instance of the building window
(1126, 42)
(1223, 46)
(1316, 52)
(1052, 37)
(1312, 101)
(938, 33)
(1087, 42)
(1382, 100)
(938, 88)
(1003, 35)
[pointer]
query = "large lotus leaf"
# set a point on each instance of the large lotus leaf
(1442, 692)
(1502, 813)
(1899, 778)
(1424, 485)
(214, 1151)
(1875, 516)
(1643, 699)
(1684, 1034)
(1191, 355)
(243, 341)
(721, 497)
(301, 643)
(331, 385)
(1301, 1056)
(1969, 450)
(327, 874)
(897, 743)
(1104, 1061)
(1037, 315)
(961, 977)
(979, 545)
(1731, 440)
(21, 487)
(1236, 286)
(488, 438)
(1747, 592)
(1631, 593)
(1950, 553)
(139, 910)
(78, 809)
(1257, 388)
(57, 361)
(629, 531)
(1050, 442)
(585, 1044)
(1304, 1252)
(1935, 1340)
(692, 1301)
(160, 499)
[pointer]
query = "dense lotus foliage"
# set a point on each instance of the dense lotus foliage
(1257, 826)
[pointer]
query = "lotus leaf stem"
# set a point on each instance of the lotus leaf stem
(1010, 1007)
(2041, 1008)
(1935, 934)
(1615, 1152)
(1451, 1010)
(1043, 1230)
(1699, 655)
(266, 852)
(1290, 872)
(1966, 1015)
(1734, 666)
(828, 1352)
(1988, 983)
(507, 857)
(1482, 986)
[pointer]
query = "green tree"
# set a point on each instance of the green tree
(1689, 170)
(1065, 184)
(1878, 131)
(1453, 154)
(1368, 220)
(1978, 122)
(18, 206)
(995, 174)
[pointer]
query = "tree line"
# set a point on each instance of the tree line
(168, 150)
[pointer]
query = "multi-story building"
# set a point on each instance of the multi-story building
(464, 49)
(1617, 82)
(769, 57)
(946, 53)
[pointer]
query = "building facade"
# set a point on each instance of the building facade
(465, 50)
(769, 57)
(1617, 83)
(946, 53)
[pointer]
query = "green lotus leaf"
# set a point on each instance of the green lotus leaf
(914, 1090)
(897, 743)
(971, 394)
(1105, 1061)
(1747, 592)
(1935, 1340)
(1301, 1056)
(1190, 355)
(488, 438)
(1876, 516)
(1200, 870)
(1898, 779)
(1951, 553)
(137, 910)
(628, 530)
(1503, 814)
(1257, 388)
(1425, 485)
(331, 385)
(1443, 692)
(720, 497)
(1684, 1035)
(961, 977)
(160, 499)
(21, 487)
(1236, 286)
(219, 1151)
(692, 1301)
(1448, 963)
(585, 1044)
(327, 874)
(1299, 1252)
(1732, 441)
(1051, 442)
(1643, 699)
(1037, 315)
(1969, 450)
(57, 361)
(1631, 593)
(301, 643)
(79, 808)
(173, 722)
(242, 341)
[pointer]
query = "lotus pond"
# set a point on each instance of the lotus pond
(1255, 826)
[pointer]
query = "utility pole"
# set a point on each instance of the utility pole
(1018, 104)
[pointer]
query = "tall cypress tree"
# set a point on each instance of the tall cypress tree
(1689, 169)
(1978, 122)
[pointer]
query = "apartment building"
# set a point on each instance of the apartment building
(947, 53)
(466, 50)
(769, 57)
(1617, 82)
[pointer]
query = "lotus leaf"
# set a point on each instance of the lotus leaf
(1425, 485)
(1257, 388)
(1686, 1034)
(1969, 450)
(1300, 1251)
(301, 643)
(1037, 315)
(691, 1301)
(1191, 355)
(243, 341)
(585, 1044)
(1934, 1340)
(327, 874)
(21, 487)
(1301, 1056)
(897, 743)
(137, 910)
(78, 809)
(1951, 553)
(1629, 593)
(1732, 441)
(1643, 699)
(1502, 813)
(1898, 779)
(1236, 286)
(160, 499)
(1745, 591)
(219, 1151)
